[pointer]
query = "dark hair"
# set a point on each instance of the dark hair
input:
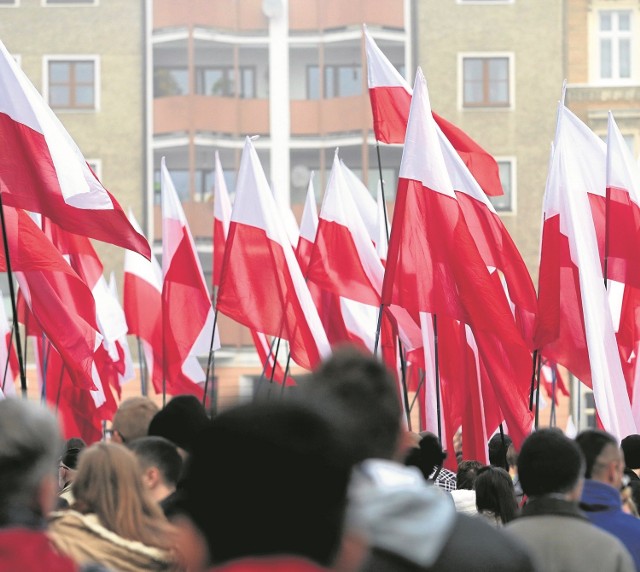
(427, 456)
(179, 421)
(467, 474)
(358, 393)
(498, 452)
(72, 449)
(549, 462)
(631, 448)
(495, 493)
(295, 505)
(160, 453)
(591, 443)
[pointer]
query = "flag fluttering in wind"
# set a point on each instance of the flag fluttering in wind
(434, 265)
(575, 325)
(262, 285)
(187, 314)
(9, 367)
(390, 96)
(42, 170)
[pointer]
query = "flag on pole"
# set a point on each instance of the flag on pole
(42, 170)
(390, 96)
(187, 314)
(9, 368)
(262, 285)
(221, 220)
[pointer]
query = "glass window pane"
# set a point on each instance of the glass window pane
(181, 183)
(499, 92)
(59, 72)
(504, 202)
(248, 87)
(498, 69)
(329, 87)
(624, 21)
(84, 96)
(59, 96)
(349, 81)
(313, 82)
(473, 92)
(84, 72)
(605, 21)
(170, 81)
(605, 59)
(625, 58)
(472, 69)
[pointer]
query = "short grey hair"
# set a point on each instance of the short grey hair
(30, 446)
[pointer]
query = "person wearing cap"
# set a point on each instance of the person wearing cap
(131, 420)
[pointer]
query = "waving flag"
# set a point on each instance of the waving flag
(262, 286)
(42, 170)
(575, 326)
(9, 368)
(390, 96)
(187, 315)
(221, 220)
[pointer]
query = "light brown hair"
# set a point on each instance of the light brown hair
(133, 417)
(109, 484)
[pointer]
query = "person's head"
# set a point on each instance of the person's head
(161, 465)
(495, 493)
(631, 449)
(180, 421)
(29, 451)
(604, 458)
(550, 463)
(359, 394)
(131, 420)
(69, 461)
(109, 484)
(427, 455)
(502, 454)
(294, 506)
(467, 474)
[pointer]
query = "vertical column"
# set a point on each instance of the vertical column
(279, 118)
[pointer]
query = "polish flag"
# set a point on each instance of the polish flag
(124, 360)
(221, 219)
(493, 240)
(262, 285)
(58, 299)
(42, 170)
(434, 265)
(272, 368)
(187, 314)
(382, 242)
(142, 304)
(364, 203)
(575, 326)
(308, 228)
(390, 96)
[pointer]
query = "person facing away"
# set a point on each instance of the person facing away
(428, 456)
(113, 521)
(68, 469)
(30, 445)
(131, 420)
(551, 468)
(495, 496)
(290, 518)
(464, 496)
(601, 499)
(503, 454)
(408, 524)
(161, 466)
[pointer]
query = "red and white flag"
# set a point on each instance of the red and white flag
(308, 228)
(142, 304)
(221, 220)
(42, 170)
(187, 314)
(390, 96)
(124, 360)
(434, 265)
(575, 326)
(9, 367)
(262, 285)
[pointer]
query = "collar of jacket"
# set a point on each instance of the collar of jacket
(551, 505)
(597, 497)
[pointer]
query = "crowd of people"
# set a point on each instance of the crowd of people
(324, 478)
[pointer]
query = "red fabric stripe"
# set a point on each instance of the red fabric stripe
(390, 108)
(219, 242)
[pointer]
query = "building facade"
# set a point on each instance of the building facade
(86, 57)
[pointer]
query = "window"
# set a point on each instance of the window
(614, 40)
(203, 181)
(96, 166)
(168, 81)
(486, 81)
(70, 2)
(506, 203)
(72, 83)
(221, 81)
(339, 81)
(8, 3)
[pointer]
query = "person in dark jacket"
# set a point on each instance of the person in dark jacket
(601, 498)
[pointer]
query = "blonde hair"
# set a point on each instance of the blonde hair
(109, 484)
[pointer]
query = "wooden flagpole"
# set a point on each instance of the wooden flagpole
(23, 375)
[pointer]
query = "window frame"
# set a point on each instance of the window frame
(615, 38)
(513, 201)
(14, 4)
(235, 83)
(69, 4)
(485, 2)
(511, 103)
(49, 58)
